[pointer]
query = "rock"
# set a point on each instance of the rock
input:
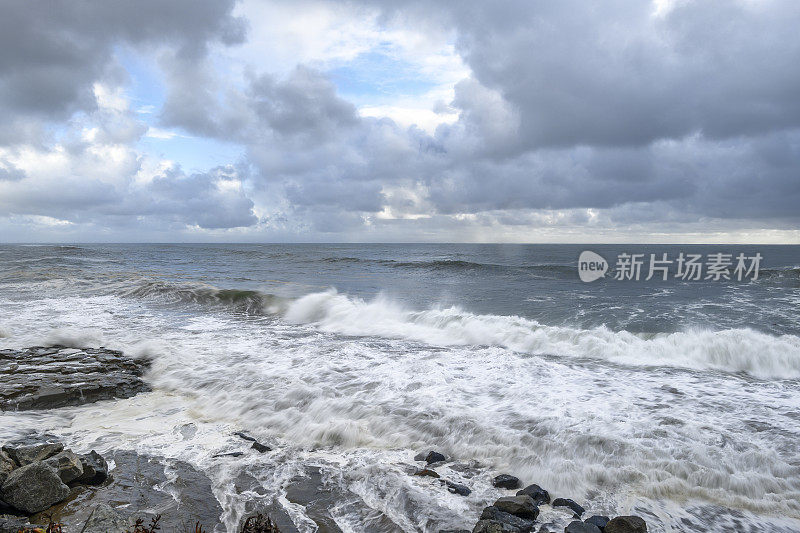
(566, 502)
(433, 457)
(496, 515)
(25, 455)
(104, 519)
(34, 488)
(536, 492)
(13, 524)
(244, 436)
(576, 526)
(493, 526)
(230, 454)
(505, 481)
(46, 378)
(7, 464)
(521, 506)
(626, 524)
(260, 448)
(95, 468)
(426, 472)
(67, 464)
(456, 488)
(599, 520)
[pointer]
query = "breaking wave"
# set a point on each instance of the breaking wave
(249, 301)
(732, 350)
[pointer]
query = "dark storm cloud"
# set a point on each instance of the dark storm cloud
(51, 53)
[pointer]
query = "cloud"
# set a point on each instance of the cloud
(570, 116)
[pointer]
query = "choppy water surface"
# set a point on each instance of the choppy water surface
(679, 401)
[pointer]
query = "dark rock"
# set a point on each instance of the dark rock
(104, 519)
(33, 488)
(521, 506)
(456, 488)
(626, 524)
(25, 455)
(493, 526)
(260, 448)
(536, 492)
(599, 520)
(566, 502)
(505, 481)
(426, 472)
(497, 515)
(244, 436)
(435, 457)
(67, 464)
(12, 524)
(37, 378)
(577, 526)
(7, 464)
(95, 468)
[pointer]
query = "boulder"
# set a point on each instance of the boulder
(95, 468)
(494, 514)
(493, 526)
(435, 457)
(67, 464)
(506, 481)
(104, 519)
(7, 464)
(626, 524)
(599, 520)
(34, 488)
(25, 455)
(536, 492)
(456, 488)
(566, 502)
(426, 472)
(576, 526)
(260, 448)
(521, 506)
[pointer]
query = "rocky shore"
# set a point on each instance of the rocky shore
(46, 377)
(42, 482)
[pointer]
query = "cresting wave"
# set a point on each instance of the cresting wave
(732, 350)
(249, 301)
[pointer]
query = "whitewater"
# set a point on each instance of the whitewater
(684, 410)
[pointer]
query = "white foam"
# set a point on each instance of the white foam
(731, 350)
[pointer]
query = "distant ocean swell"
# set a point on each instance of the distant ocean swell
(731, 350)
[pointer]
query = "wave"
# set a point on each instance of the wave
(457, 265)
(249, 301)
(732, 350)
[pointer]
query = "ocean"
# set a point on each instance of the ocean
(677, 400)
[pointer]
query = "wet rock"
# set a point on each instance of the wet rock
(427, 472)
(260, 448)
(506, 481)
(576, 526)
(25, 455)
(39, 378)
(104, 519)
(95, 468)
(6, 466)
(566, 502)
(493, 526)
(67, 464)
(494, 514)
(599, 520)
(521, 506)
(33, 488)
(536, 492)
(626, 524)
(13, 524)
(430, 457)
(456, 488)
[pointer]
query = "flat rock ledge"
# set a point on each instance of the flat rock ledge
(46, 377)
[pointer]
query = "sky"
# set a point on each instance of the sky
(671, 121)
